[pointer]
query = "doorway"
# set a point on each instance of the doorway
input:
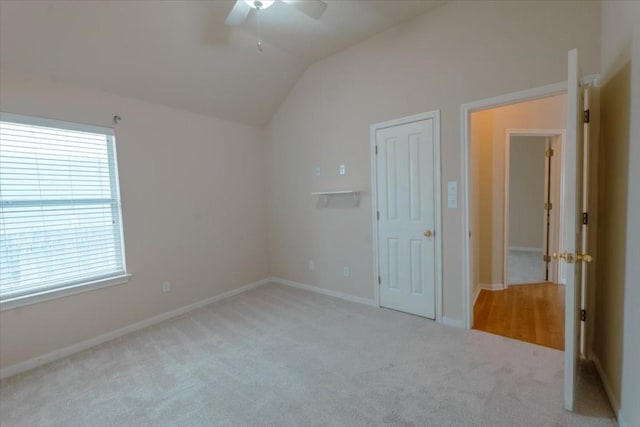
(579, 192)
(533, 208)
(515, 174)
(405, 169)
(526, 197)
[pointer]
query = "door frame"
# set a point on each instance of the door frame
(465, 141)
(435, 116)
(558, 213)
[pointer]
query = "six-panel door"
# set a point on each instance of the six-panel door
(406, 235)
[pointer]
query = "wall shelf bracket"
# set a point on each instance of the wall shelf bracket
(325, 195)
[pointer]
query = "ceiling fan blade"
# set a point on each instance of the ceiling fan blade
(312, 8)
(238, 14)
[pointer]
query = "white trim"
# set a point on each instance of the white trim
(505, 207)
(455, 323)
(435, 116)
(324, 291)
(613, 401)
(620, 419)
(438, 214)
(525, 249)
(524, 95)
(492, 286)
(526, 283)
(54, 123)
(66, 291)
(515, 97)
(92, 342)
(558, 201)
(374, 216)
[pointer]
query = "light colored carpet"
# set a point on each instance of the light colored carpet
(525, 267)
(278, 356)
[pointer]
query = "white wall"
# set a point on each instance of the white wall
(526, 191)
(193, 211)
(462, 51)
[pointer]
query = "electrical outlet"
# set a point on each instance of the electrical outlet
(166, 286)
(342, 169)
(312, 265)
(346, 271)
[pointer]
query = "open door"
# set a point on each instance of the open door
(573, 252)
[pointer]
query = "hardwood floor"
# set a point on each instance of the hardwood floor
(532, 313)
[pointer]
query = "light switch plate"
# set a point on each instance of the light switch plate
(452, 188)
(452, 194)
(342, 169)
(317, 170)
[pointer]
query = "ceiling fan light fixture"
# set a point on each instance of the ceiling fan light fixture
(259, 4)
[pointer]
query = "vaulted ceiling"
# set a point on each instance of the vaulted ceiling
(181, 54)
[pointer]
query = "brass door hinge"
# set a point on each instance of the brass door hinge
(549, 153)
(376, 149)
(546, 258)
(379, 280)
(587, 116)
(548, 206)
(583, 315)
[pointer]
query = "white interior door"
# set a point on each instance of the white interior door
(574, 248)
(406, 201)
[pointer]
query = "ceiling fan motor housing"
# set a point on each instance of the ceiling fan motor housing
(259, 4)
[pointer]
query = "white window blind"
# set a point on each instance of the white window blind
(60, 220)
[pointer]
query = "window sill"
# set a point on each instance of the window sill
(63, 292)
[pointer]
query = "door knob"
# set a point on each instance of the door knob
(584, 257)
(429, 233)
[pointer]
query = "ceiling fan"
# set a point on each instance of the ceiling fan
(242, 8)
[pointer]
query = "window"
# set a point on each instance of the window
(60, 220)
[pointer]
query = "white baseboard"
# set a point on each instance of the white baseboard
(456, 323)
(323, 291)
(525, 284)
(615, 405)
(492, 286)
(525, 249)
(621, 421)
(92, 342)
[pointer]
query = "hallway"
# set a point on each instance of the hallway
(532, 313)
